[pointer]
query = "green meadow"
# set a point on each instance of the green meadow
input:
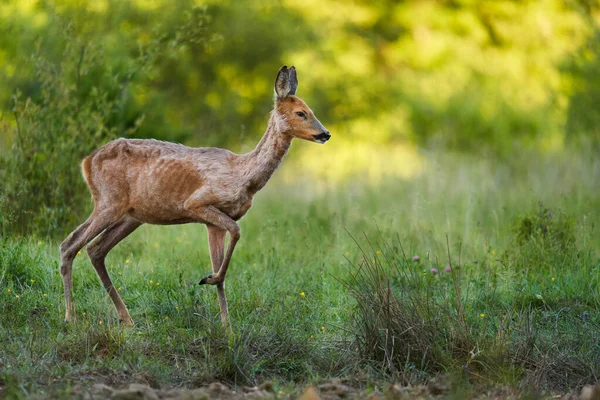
(324, 285)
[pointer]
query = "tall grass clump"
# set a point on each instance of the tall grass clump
(543, 238)
(486, 320)
(402, 311)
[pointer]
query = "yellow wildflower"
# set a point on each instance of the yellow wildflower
(151, 281)
(17, 297)
(482, 315)
(322, 328)
(302, 294)
(553, 279)
(33, 281)
(99, 322)
(9, 290)
(378, 252)
(127, 261)
(177, 308)
(79, 253)
(166, 318)
(45, 295)
(157, 283)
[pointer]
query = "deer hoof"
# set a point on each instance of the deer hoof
(126, 321)
(71, 320)
(205, 281)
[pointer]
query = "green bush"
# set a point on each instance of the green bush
(43, 184)
(543, 240)
(555, 228)
(81, 105)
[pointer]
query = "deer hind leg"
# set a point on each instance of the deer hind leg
(93, 226)
(216, 245)
(97, 251)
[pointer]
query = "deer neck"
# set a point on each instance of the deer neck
(261, 163)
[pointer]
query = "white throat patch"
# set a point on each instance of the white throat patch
(281, 123)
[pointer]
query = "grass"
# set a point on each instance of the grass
(323, 284)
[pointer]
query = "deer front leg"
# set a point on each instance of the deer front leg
(212, 215)
(216, 243)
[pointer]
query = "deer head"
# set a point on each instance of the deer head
(292, 114)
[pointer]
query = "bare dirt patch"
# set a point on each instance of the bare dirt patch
(330, 390)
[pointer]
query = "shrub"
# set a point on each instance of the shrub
(555, 228)
(80, 106)
(543, 239)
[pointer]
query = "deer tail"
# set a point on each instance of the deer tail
(86, 171)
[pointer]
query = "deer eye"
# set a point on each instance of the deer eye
(301, 114)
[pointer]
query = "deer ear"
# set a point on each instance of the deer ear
(286, 82)
(293, 81)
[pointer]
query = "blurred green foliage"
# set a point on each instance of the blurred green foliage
(464, 75)
(583, 118)
(461, 73)
(80, 103)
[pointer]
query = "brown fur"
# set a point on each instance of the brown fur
(135, 181)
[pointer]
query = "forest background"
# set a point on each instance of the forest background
(388, 78)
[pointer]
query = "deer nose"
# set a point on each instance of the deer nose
(322, 137)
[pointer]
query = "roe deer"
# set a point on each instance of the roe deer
(135, 181)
